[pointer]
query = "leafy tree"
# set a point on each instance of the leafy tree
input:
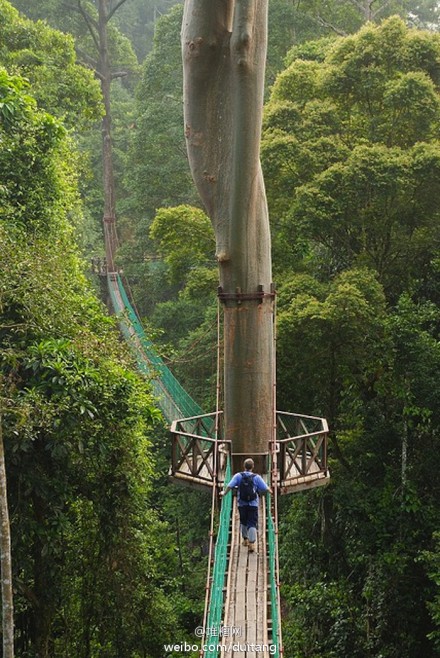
(187, 326)
(351, 138)
(184, 237)
(334, 334)
(135, 19)
(432, 559)
(47, 59)
(347, 16)
(76, 420)
(350, 141)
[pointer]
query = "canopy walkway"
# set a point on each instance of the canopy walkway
(172, 398)
(243, 588)
(242, 619)
(242, 606)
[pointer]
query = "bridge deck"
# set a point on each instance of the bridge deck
(246, 600)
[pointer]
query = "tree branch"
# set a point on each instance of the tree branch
(384, 6)
(359, 5)
(12, 326)
(323, 23)
(88, 60)
(114, 10)
(78, 10)
(92, 25)
(119, 74)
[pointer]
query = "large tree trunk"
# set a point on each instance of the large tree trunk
(224, 52)
(5, 559)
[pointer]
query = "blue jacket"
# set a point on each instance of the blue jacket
(259, 483)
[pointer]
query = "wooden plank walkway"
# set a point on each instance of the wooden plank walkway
(246, 600)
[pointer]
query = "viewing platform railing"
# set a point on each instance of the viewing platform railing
(301, 451)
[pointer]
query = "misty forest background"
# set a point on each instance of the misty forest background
(109, 559)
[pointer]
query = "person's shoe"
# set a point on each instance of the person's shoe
(251, 547)
(245, 542)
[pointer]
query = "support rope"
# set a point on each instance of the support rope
(214, 488)
(272, 520)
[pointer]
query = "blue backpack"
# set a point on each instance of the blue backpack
(247, 490)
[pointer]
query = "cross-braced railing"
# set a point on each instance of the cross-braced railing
(302, 451)
(194, 442)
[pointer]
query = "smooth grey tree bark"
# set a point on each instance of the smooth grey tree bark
(5, 560)
(224, 52)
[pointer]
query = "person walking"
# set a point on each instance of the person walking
(249, 485)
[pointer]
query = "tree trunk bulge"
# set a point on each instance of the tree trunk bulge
(224, 54)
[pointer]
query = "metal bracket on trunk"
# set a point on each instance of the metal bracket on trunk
(238, 296)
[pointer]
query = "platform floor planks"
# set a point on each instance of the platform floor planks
(246, 600)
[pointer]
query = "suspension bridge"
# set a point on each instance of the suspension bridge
(242, 616)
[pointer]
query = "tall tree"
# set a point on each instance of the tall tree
(224, 51)
(102, 65)
(350, 153)
(75, 432)
(351, 159)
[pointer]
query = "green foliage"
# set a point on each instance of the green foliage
(159, 174)
(76, 420)
(281, 34)
(185, 238)
(324, 619)
(350, 154)
(156, 173)
(188, 324)
(377, 209)
(47, 59)
(333, 334)
(87, 422)
(135, 19)
(432, 559)
(38, 183)
(342, 17)
(195, 358)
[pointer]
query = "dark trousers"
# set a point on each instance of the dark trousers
(248, 516)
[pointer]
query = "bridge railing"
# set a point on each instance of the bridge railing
(302, 451)
(217, 582)
(194, 441)
(274, 584)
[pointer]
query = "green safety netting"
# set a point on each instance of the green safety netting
(172, 398)
(273, 580)
(219, 573)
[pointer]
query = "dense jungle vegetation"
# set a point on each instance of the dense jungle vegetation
(109, 560)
